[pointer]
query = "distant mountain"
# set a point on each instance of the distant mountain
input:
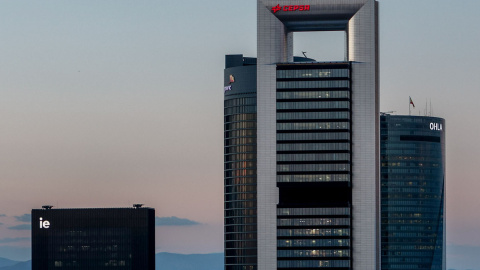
(163, 261)
(19, 266)
(173, 261)
(6, 262)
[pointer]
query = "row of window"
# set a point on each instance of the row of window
(423, 209)
(395, 134)
(313, 167)
(411, 201)
(312, 73)
(240, 212)
(240, 197)
(241, 236)
(314, 147)
(240, 228)
(241, 133)
(241, 181)
(240, 102)
(312, 264)
(408, 228)
(241, 204)
(313, 211)
(239, 157)
(240, 244)
(408, 215)
(313, 136)
(313, 105)
(313, 253)
(418, 151)
(415, 266)
(242, 261)
(313, 94)
(312, 115)
(241, 125)
(435, 189)
(313, 125)
(413, 170)
(314, 157)
(240, 149)
(313, 221)
(314, 243)
(237, 141)
(240, 165)
(241, 117)
(411, 234)
(412, 247)
(240, 173)
(409, 253)
(412, 158)
(313, 84)
(248, 251)
(313, 232)
(240, 220)
(307, 178)
(239, 110)
(240, 188)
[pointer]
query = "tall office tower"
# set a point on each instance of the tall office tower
(302, 144)
(412, 192)
(93, 239)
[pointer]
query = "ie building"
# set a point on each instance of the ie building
(93, 238)
(413, 192)
(302, 143)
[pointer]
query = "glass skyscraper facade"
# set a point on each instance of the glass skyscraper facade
(240, 161)
(412, 192)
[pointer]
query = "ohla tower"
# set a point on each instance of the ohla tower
(302, 143)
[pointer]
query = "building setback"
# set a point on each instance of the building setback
(413, 192)
(93, 239)
(302, 144)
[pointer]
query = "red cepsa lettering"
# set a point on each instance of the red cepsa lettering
(296, 7)
(291, 8)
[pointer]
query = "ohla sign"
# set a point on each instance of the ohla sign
(436, 126)
(44, 224)
(277, 8)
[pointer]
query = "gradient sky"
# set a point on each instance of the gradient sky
(109, 103)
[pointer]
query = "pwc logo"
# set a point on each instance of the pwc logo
(277, 8)
(44, 224)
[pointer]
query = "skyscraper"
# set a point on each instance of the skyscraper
(93, 238)
(301, 143)
(413, 192)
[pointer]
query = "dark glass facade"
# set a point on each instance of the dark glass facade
(240, 161)
(314, 166)
(412, 192)
(93, 239)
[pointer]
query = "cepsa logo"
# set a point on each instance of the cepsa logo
(290, 8)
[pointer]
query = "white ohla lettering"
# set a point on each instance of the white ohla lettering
(436, 126)
(227, 88)
(44, 224)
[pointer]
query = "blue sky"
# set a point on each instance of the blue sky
(109, 103)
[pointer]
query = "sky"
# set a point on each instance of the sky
(114, 102)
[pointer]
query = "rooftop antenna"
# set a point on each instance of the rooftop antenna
(304, 54)
(431, 110)
(46, 207)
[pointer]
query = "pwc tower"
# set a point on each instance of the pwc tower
(302, 144)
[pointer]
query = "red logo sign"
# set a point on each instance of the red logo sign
(290, 8)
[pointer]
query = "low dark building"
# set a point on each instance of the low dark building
(96, 238)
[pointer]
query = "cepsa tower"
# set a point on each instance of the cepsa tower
(302, 143)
